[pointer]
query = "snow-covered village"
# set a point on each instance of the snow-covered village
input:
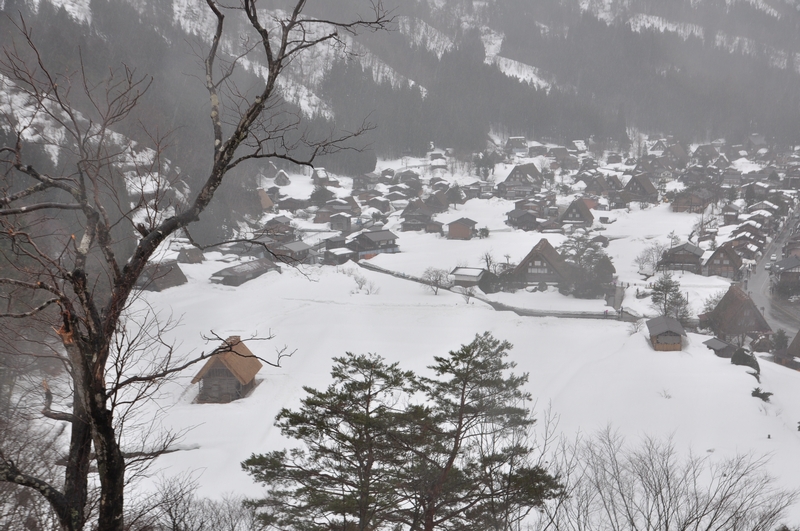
(553, 248)
(424, 265)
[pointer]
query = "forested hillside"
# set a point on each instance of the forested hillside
(453, 71)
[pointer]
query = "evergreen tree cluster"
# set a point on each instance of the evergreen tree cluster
(668, 300)
(382, 448)
(592, 269)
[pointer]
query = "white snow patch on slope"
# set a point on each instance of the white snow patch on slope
(423, 34)
(492, 43)
(310, 104)
(733, 44)
(37, 127)
(605, 10)
(195, 18)
(641, 22)
(760, 5)
(521, 71)
(77, 9)
(777, 58)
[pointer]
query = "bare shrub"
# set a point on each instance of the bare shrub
(611, 485)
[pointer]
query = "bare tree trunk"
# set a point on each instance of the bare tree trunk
(64, 286)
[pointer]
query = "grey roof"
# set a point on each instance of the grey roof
(787, 263)
(262, 264)
(476, 272)
(379, 235)
(296, 246)
(688, 247)
(279, 219)
(662, 324)
(716, 344)
(464, 221)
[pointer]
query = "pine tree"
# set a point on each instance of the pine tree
(337, 479)
(467, 466)
(382, 448)
(667, 298)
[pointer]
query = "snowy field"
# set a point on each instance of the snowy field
(593, 373)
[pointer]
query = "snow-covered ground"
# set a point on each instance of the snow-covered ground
(592, 373)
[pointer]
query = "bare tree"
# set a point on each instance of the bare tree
(489, 262)
(610, 485)
(176, 506)
(467, 293)
(436, 279)
(72, 248)
(647, 260)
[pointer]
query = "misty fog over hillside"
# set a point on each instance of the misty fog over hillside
(400, 265)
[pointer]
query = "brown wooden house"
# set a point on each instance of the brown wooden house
(787, 275)
(280, 229)
(577, 214)
(666, 333)
(523, 181)
(735, 316)
(372, 243)
(522, 219)
(598, 185)
(461, 229)
(542, 264)
(724, 262)
(684, 257)
(640, 188)
(341, 222)
(692, 201)
(229, 374)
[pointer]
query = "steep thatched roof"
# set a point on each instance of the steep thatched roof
(236, 357)
(737, 314)
(544, 250)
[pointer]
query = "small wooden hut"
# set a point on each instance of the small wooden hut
(666, 333)
(229, 374)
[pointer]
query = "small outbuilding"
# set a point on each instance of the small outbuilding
(239, 274)
(159, 276)
(229, 374)
(461, 229)
(666, 333)
(467, 276)
(721, 348)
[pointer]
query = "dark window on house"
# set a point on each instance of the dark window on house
(537, 267)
